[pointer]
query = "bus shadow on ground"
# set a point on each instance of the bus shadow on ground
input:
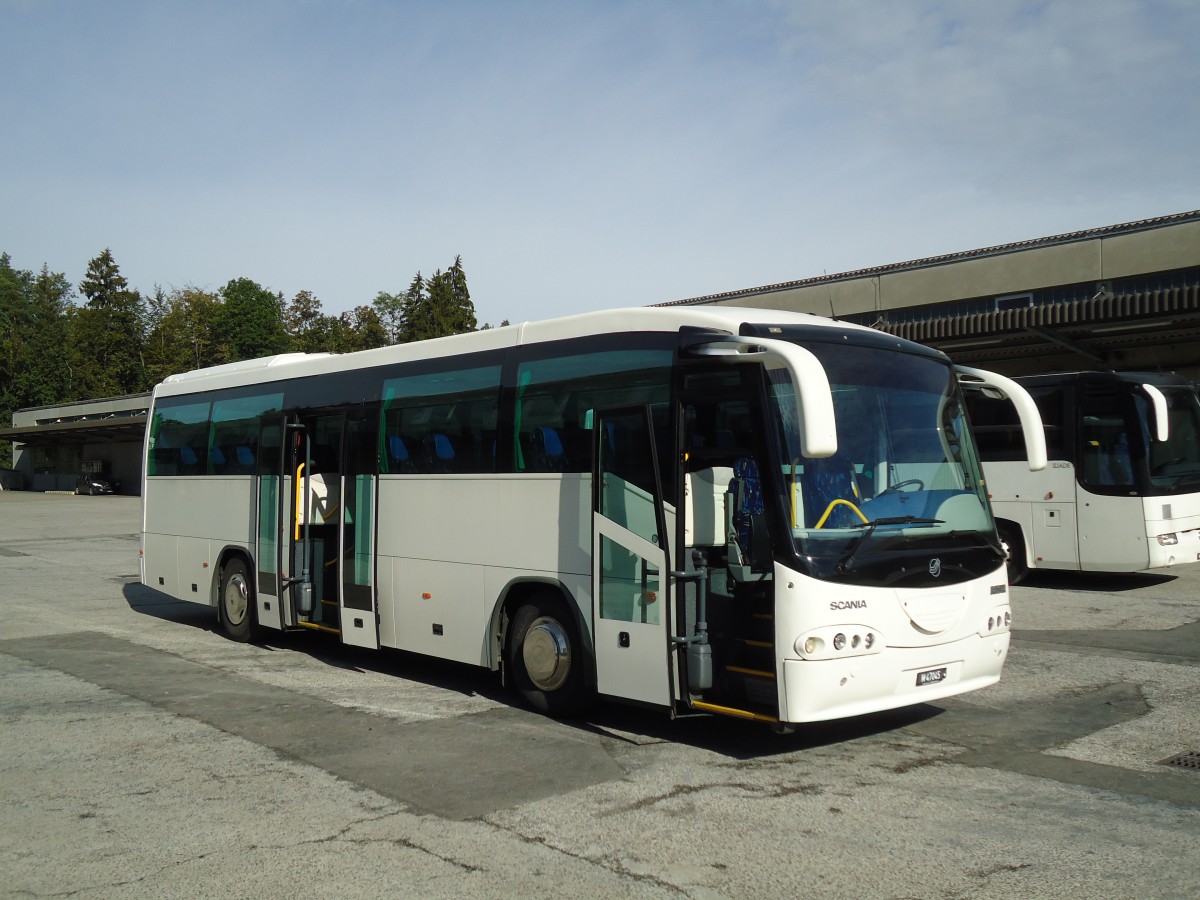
(741, 739)
(611, 721)
(1095, 582)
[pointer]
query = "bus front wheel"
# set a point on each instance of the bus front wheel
(237, 601)
(1018, 568)
(544, 657)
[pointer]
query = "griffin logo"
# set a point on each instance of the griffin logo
(935, 567)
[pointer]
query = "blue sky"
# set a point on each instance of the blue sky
(579, 155)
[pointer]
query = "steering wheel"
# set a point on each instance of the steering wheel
(895, 488)
(840, 502)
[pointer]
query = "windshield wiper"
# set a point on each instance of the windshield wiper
(869, 528)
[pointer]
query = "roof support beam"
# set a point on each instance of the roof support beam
(1073, 346)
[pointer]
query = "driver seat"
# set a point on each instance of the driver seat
(825, 480)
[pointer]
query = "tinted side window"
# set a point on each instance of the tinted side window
(233, 440)
(557, 397)
(179, 439)
(444, 422)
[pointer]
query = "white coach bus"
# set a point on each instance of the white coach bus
(744, 512)
(1121, 492)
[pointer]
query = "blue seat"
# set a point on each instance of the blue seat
(441, 453)
(548, 447)
(750, 543)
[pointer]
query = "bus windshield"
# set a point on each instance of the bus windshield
(1174, 464)
(903, 501)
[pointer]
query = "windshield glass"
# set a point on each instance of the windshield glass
(1174, 464)
(903, 499)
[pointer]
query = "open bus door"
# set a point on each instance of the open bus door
(631, 578)
(327, 547)
(269, 498)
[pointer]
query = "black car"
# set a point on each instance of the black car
(94, 484)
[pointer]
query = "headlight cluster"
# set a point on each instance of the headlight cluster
(1168, 540)
(837, 641)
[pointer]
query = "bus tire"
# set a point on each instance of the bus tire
(1016, 563)
(544, 657)
(236, 603)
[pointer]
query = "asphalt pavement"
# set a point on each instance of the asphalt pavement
(142, 754)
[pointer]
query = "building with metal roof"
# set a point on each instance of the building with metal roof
(1122, 297)
(53, 445)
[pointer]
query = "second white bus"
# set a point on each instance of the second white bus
(1121, 492)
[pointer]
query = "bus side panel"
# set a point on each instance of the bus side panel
(444, 536)
(192, 516)
(161, 561)
(1043, 504)
(439, 608)
(1112, 533)
(220, 509)
(197, 569)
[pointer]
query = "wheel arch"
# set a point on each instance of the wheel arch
(228, 553)
(515, 593)
(1011, 527)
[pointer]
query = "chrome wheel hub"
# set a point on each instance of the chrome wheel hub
(236, 599)
(546, 652)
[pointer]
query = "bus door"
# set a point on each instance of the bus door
(631, 581)
(330, 540)
(269, 499)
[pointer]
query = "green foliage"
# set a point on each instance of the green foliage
(250, 322)
(181, 332)
(119, 342)
(389, 309)
(438, 307)
(106, 334)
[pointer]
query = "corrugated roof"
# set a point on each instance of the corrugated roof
(944, 259)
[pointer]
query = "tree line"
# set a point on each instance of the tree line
(109, 340)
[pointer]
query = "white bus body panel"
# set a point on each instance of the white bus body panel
(1043, 505)
(915, 630)
(194, 518)
(1068, 527)
(475, 535)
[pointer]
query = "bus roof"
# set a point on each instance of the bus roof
(636, 319)
(1157, 378)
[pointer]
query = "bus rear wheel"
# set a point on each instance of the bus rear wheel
(544, 659)
(236, 606)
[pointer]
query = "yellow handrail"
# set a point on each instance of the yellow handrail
(299, 498)
(840, 502)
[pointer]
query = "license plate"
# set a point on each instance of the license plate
(933, 676)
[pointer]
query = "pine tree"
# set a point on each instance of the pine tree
(107, 333)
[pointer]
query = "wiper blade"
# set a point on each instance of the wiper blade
(869, 529)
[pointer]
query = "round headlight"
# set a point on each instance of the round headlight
(869, 641)
(839, 641)
(809, 647)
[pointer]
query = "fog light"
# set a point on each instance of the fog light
(811, 646)
(1168, 540)
(839, 641)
